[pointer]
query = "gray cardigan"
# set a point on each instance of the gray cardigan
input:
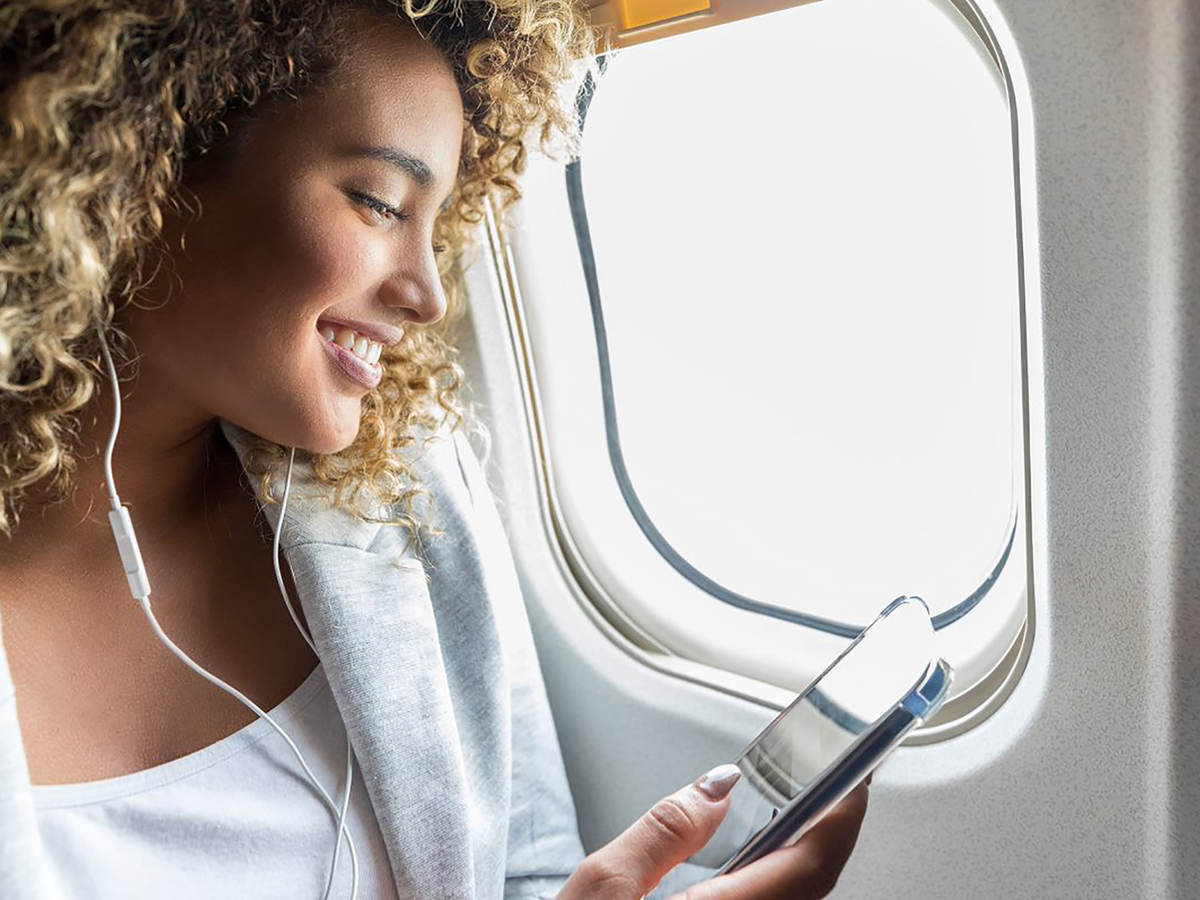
(437, 682)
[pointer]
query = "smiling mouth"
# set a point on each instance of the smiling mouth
(356, 369)
(363, 346)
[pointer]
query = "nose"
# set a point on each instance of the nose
(418, 289)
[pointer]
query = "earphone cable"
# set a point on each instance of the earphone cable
(139, 586)
(287, 489)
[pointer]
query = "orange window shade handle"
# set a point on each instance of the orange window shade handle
(636, 13)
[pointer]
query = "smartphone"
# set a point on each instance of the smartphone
(834, 734)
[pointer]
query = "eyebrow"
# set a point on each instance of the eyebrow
(412, 166)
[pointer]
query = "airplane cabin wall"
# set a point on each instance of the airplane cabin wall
(1085, 782)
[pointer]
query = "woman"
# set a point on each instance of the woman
(266, 206)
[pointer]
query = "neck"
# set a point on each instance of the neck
(171, 466)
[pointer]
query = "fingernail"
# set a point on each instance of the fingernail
(720, 781)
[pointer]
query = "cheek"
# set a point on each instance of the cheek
(277, 270)
(305, 263)
(255, 278)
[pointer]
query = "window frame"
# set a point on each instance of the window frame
(960, 713)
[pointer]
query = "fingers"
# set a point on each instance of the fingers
(807, 870)
(671, 831)
(833, 838)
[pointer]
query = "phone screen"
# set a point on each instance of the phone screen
(861, 687)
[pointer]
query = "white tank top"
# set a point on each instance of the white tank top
(238, 818)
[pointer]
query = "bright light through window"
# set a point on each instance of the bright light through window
(804, 231)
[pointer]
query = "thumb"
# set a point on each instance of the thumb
(672, 830)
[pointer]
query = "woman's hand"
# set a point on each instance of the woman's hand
(679, 825)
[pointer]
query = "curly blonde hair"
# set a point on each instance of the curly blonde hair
(103, 107)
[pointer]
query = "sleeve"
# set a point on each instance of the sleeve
(543, 834)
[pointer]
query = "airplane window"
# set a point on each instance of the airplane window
(798, 237)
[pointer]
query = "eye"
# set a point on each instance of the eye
(377, 206)
(380, 208)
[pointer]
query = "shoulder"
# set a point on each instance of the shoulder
(441, 462)
(451, 455)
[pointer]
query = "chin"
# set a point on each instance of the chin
(325, 438)
(329, 441)
(328, 449)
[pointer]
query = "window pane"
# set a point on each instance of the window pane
(804, 231)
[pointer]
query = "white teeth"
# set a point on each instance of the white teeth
(364, 348)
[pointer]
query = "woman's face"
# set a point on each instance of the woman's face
(322, 216)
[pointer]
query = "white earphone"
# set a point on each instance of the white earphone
(139, 586)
